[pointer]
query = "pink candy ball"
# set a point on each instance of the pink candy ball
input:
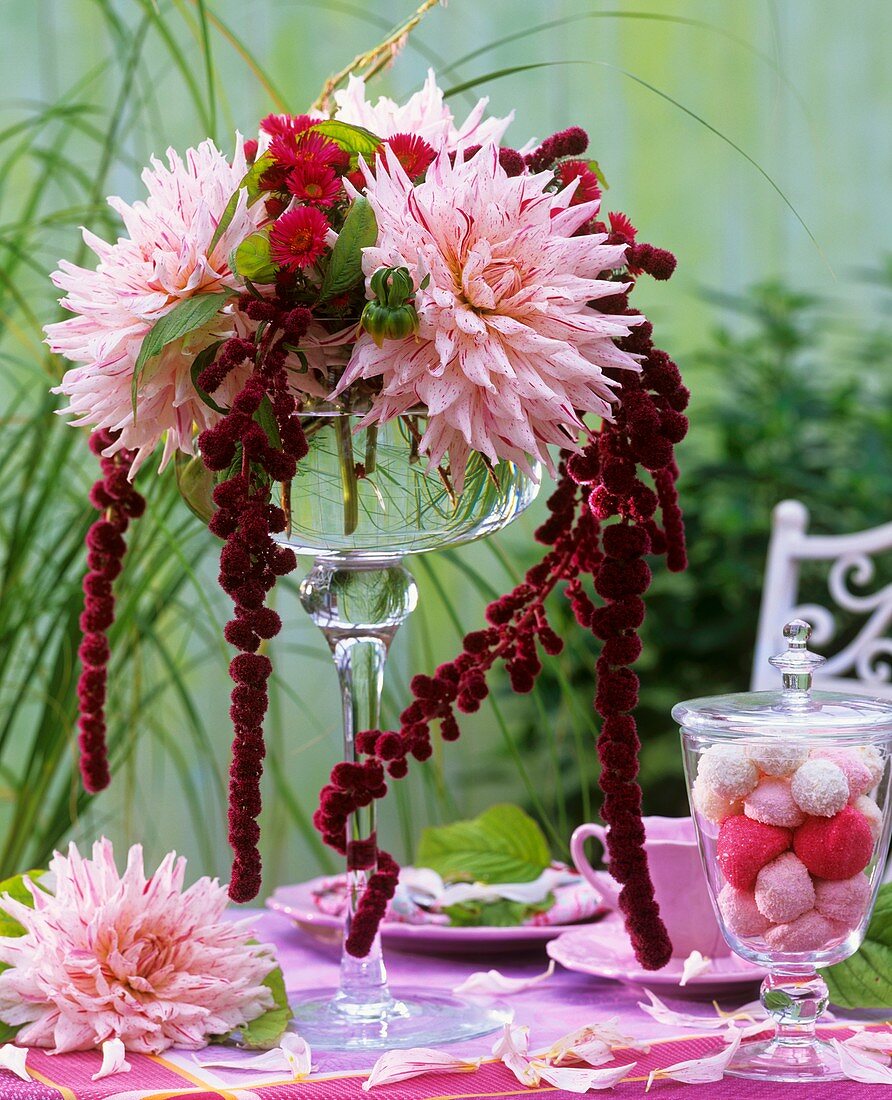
(834, 847)
(844, 901)
(744, 847)
(740, 912)
(810, 932)
(871, 813)
(772, 804)
(853, 767)
(784, 889)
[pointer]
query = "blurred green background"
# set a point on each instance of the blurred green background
(784, 340)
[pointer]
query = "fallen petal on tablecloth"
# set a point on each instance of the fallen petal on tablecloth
(581, 1080)
(511, 1048)
(699, 1071)
(495, 983)
(15, 1059)
(859, 1065)
(113, 1060)
(694, 965)
(400, 1065)
(593, 1045)
(876, 1043)
(663, 1014)
(292, 1055)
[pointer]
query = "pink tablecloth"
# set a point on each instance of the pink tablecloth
(566, 1001)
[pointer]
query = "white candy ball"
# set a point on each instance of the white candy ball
(712, 805)
(871, 811)
(776, 758)
(871, 757)
(819, 787)
(727, 771)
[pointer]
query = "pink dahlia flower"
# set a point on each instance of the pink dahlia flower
(508, 352)
(139, 279)
(423, 113)
(126, 957)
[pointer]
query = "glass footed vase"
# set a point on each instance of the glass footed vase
(363, 499)
(790, 795)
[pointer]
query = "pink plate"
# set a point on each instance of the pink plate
(603, 951)
(297, 903)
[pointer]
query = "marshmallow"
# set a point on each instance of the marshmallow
(819, 787)
(776, 757)
(740, 912)
(726, 770)
(845, 900)
(784, 889)
(772, 804)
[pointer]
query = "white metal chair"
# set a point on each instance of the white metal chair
(864, 663)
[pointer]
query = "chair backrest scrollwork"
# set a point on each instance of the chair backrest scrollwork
(863, 658)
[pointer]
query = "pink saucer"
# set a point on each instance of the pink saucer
(296, 902)
(603, 951)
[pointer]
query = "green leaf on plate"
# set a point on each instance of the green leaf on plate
(354, 140)
(503, 844)
(495, 914)
(865, 979)
(251, 259)
(360, 230)
(185, 317)
(266, 1031)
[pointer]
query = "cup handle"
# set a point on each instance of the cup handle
(606, 888)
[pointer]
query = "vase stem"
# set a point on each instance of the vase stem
(359, 605)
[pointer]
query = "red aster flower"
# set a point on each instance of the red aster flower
(298, 238)
(413, 153)
(622, 228)
(314, 183)
(588, 189)
(308, 148)
(276, 125)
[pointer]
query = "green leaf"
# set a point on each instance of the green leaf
(360, 230)
(250, 182)
(204, 359)
(865, 979)
(775, 1000)
(251, 259)
(593, 166)
(354, 140)
(266, 418)
(495, 914)
(266, 1031)
(503, 844)
(18, 891)
(185, 317)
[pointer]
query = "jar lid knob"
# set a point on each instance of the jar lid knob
(798, 663)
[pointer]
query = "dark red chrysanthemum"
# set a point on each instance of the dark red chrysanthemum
(298, 238)
(284, 125)
(313, 183)
(587, 189)
(413, 153)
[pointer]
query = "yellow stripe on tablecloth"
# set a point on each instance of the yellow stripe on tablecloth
(226, 1094)
(65, 1093)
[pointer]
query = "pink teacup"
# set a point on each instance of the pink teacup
(679, 882)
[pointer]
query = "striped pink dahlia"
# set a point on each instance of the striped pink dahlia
(111, 956)
(165, 259)
(509, 351)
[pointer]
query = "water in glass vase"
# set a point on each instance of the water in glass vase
(363, 499)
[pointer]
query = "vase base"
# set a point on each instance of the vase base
(412, 1018)
(771, 1060)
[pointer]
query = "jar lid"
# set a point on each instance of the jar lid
(796, 712)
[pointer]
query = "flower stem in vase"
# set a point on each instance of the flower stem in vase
(371, 449)
(349, 484)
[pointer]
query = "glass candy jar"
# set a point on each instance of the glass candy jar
(789, 792)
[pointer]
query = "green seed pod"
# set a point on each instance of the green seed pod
(384, 322)
(390, 315)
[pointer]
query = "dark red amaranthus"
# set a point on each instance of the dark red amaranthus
(251, 561)
(603, 524)
(118, 502)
